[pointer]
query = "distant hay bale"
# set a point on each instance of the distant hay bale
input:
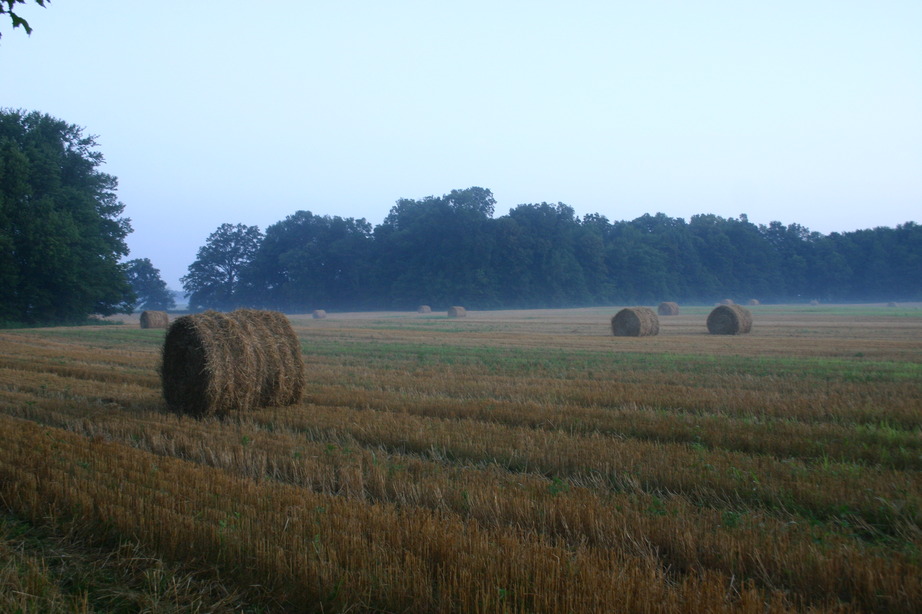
(754, 301)
(319, 314)
(457, 312)
(216, 363)
(668, 308)
(729, 320)
(635, 322)
(154, 319)
(726, 301)
(424, 309)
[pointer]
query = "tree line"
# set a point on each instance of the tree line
(451, 250)
(63, 249)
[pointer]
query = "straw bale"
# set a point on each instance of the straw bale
(635, 322)
(319, 314)
(729, 320)
(457, 312)
(726, 301)
(217, 363)
(424, 309)
(154, 319)
(754, 301)
(668, 308)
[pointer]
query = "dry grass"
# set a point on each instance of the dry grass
(668, 308)
(729, 320)
(635, 322)
(154, 319)
(217, 363)
(782, 474)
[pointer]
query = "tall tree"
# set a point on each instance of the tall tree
(149, 288)
(213, 280)
(310, 261)
(437, 250)
(61, 230)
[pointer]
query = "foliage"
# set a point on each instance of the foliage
(61, 232)
(150, 289)
(6, 8)
(450, 250)
(309, 261)
(214, 278)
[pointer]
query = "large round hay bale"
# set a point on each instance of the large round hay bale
(729, 320)
(635, 322)
(154, 319)
(424, 309)
(216, 363)
(319, 314)
(668, 308)
(457, 312)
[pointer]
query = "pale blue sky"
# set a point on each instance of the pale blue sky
(244, 112)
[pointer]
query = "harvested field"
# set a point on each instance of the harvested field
(515, 461)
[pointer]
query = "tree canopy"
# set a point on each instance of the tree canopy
(61, 230)
(450, 250)
(149, 288)
(214, 278)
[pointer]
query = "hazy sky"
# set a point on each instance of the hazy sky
(245, 112)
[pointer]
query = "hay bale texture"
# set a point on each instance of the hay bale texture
(217, 363)
(424, 309)
(729, 320)
(154, 319)
(635, 322)
(457, 312)
(668, 308)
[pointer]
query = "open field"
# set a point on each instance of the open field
(509, 461)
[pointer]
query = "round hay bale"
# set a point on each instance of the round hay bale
(154, 319)
(424, 309)
(668, 309)
(754, 301)
(729, 320)
(457, 312)
(726, 301)
(216, 363)
(635, 322)
(319, 314)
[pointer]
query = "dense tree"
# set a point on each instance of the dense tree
(61, 230)
(149, 288)
(213, 280)
(451, 250)
(309, 261)
(437, 250)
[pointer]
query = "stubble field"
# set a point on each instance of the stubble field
(510, 461)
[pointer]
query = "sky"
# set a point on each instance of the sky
(245, 112)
